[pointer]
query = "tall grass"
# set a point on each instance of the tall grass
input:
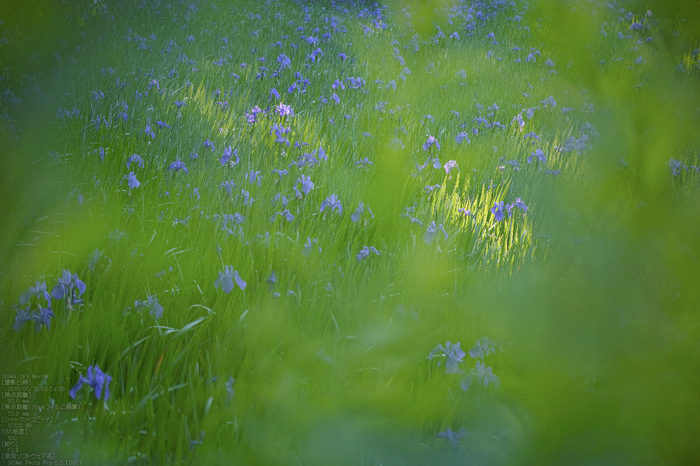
(589, 298)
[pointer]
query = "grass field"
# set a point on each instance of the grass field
(321, 233)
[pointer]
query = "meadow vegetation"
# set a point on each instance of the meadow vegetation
(337, 232)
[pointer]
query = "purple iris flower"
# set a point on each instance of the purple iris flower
(454, 355)
(274, 93)
(509, 208)
(497, 211)
(271, 280)
(279, 130)
(236, 219)
(413, 219)
(43, 317)
(281, 173)
(66, 287)
(153, 304)
(549, 101)
(22, 317)
(463, 136)
(363, 162)
(431, 140)
(281, 139)
(225, 280)
(452, 164)
(365, 251)
(132, 181)
(247, 198)
(306, 250)
(208, 144)
(228, 153)
(338, 84)
(520, 205)
(285, 213)
(315, 54)
(228, 185)
(177, 166)
(37, 290)
(421, 167)
(306, 184)
(284, 61)
(284, 110)
(513, 163)
(254, 175)
(432, 229)
(280, 198)
(135, 159)
(480, 120)
(252, 116)
(96, 379)
(518, 119)
(96, 121)
(360, 210)
(355, 83)
(539, 154)
(452, 436)
(148, 131)
(333, 203)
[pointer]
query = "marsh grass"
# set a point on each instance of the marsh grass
(590, 296)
